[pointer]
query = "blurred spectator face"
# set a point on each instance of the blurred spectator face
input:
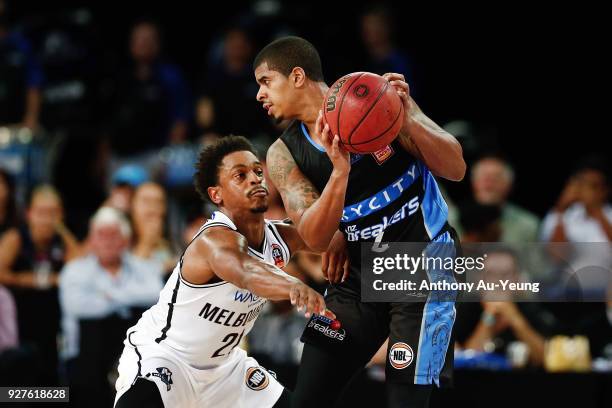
(374, 30)
(592, 187)
(192, 228)
(44, 214)
(149, 202)
(238, 49)
(144, 43)
(501, 266)
(108, 243)
(491, 181)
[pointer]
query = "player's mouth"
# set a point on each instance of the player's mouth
(267, 106)
(258, 192)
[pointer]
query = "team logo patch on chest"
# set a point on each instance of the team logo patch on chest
(256, 378)
(277, 255)
(383, 154)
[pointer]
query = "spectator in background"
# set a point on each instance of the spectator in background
(498, 319)
(149, 221)
(493, 324)
(125, 180)
(31, 257)
(492, 178)
(582, 212)
(9, 338)
(228, 104)
(8, 208)
(582, 218)
(377, 34)
(102, 294)
(152, 100)
(21, 76)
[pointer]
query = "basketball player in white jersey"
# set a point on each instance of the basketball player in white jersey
(183, 351)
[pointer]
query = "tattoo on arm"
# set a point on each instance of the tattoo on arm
(297, 191)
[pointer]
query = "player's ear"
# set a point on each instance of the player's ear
(298, 77)
(215, 195)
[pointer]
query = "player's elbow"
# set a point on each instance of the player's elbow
(459, 170)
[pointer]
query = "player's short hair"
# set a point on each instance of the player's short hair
(286, 53)
(207, 167)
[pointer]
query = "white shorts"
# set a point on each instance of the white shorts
(239, 382)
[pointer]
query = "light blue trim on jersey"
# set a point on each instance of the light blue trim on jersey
(383, 198)
(312, 142)
(434, 208)
(438, 317)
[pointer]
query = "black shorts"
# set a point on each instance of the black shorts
(420, 334)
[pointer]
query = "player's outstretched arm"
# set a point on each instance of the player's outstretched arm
(425, 140)
(223, 253)
(316, 217)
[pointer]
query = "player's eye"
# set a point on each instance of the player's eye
(259, 172)
(239, 176)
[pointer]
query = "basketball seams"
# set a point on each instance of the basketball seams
(348, 88)
(399, 114)
(380, 95)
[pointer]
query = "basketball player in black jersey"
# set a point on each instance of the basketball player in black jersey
(392, 196)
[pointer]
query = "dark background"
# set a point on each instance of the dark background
(527, 78)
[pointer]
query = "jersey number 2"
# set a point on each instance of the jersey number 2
(229, 339)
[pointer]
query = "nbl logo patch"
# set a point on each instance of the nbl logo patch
(400, 356)
(256, 378)
(277, 255)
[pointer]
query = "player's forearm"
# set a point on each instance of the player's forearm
(266, 280)
(439, 150)
(320, 221)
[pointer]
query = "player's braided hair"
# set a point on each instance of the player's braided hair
(286, 53)
(207, 167)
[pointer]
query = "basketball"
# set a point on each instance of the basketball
(364, 110)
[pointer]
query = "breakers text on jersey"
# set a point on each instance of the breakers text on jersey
(372, 231)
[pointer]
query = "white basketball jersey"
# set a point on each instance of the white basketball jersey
(202, 324)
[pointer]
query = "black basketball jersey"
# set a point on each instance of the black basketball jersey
(389, 192)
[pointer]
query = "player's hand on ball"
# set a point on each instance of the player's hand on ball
(335, 261)
(398, 82)
(309, 300)
(339, 157)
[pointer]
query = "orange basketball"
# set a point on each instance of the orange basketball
(364, 110)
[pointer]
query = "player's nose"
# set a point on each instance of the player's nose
(260, 94)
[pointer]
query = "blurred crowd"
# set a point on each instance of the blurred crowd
(97, 203)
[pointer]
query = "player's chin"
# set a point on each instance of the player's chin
(261, 208)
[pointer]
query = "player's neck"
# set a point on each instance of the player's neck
(312, 103)
(249, 224)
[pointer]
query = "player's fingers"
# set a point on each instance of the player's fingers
(338, 269)
(331, 269)
(400, 85)
(325, 264)
(293, 296)
(319, 122)
(312, 305)
(329, 313)
(404, 97)
(345, 269)
(325, 139)
(392, 76)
